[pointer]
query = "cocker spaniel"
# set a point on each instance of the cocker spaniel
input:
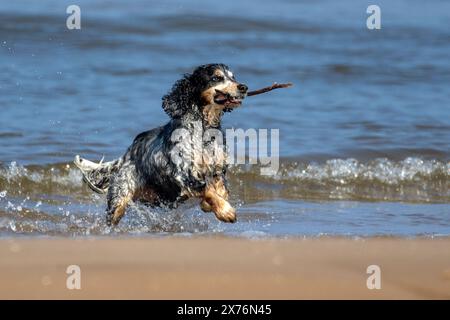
(177, 161)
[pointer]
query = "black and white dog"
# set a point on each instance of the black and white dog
(169, 164)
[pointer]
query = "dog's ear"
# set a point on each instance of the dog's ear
(180, 98)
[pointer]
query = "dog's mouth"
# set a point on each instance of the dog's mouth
(227, 99)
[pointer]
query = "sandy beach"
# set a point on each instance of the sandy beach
(224, 268)
(346, 171)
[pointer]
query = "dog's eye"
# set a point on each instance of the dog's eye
(217, 79)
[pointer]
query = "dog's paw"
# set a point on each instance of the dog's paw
(225, 212)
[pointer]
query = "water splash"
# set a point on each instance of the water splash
(52, 200)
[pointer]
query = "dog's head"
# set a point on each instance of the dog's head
(210, 90)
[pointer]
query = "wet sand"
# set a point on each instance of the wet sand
(224, 268)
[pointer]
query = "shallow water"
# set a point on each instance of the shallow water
(364, 133)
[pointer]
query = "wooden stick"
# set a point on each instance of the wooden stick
(267, 89)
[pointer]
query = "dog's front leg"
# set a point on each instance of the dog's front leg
(215, 199)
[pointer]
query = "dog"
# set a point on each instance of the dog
(172, 163)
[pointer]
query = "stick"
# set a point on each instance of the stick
(267, 89)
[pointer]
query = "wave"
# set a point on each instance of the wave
(52, 199)
(380, 170)
(412, 179)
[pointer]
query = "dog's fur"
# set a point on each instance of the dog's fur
(169, 164)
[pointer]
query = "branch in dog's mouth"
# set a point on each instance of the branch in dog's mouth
(270, 88)
(226, 98)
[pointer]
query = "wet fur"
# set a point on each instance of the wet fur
(157, 168)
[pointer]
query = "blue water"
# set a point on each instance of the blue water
(364, 132)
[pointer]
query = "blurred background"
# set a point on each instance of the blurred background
(367, 123)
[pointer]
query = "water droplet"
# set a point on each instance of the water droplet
(12, 225)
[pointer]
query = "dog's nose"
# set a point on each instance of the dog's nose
(242, 88)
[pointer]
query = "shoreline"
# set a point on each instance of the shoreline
(211, 267)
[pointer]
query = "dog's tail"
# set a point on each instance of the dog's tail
(97, 175)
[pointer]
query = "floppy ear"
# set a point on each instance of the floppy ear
(180, 98)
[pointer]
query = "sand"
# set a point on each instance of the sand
(224, 268)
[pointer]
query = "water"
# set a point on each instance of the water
(364, 133)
